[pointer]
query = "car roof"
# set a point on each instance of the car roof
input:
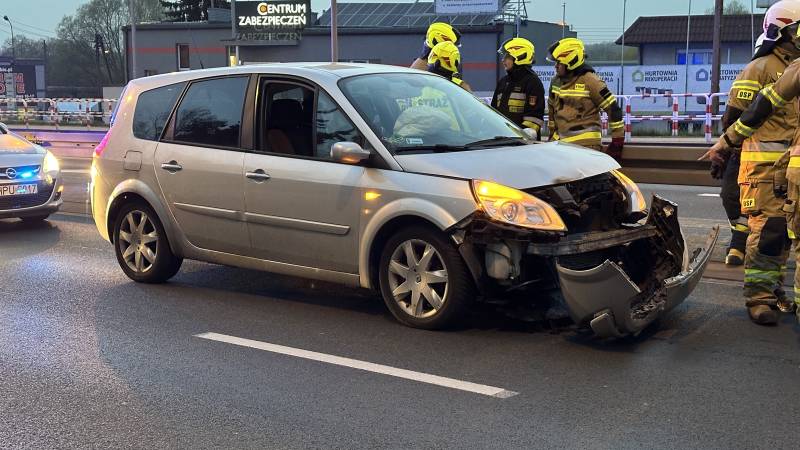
(320, 72)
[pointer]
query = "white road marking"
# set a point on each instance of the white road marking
(75, 171)
(451, 383)
(719, 282)
(708, 195)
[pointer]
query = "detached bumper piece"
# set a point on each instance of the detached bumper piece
(648, 277)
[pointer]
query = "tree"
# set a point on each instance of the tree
(190, 10)
(149, 11)
(732, 7)
(24, 47)
(74, 51)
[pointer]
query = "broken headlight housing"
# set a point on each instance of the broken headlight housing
(512, 206)
(636, 201)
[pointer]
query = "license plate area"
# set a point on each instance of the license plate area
(8, 190)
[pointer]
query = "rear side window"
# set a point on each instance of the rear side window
(152, 111)
(211, 112)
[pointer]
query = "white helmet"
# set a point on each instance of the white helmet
(759, 42)
(779, 16)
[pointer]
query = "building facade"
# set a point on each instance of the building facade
(662, 40)
(168, 47)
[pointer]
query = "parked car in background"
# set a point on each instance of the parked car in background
(30, 179)
(384, 178)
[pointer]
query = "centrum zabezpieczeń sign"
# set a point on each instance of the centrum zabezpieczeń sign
(272, 15)
(271, 20)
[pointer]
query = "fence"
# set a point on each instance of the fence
(57, 111)
(675, 118)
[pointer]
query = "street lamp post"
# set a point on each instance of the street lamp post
(13, 47)
(621, 86)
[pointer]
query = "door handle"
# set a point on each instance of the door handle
(171, 166)
(257, 176)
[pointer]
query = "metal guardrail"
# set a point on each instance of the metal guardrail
(57, 111)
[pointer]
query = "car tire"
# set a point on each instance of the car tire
(143, 250)
(432, 292)
(35, 219)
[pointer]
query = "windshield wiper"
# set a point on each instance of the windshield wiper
(437, 148)
(497, 141)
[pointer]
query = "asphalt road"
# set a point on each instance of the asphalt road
(89, 359)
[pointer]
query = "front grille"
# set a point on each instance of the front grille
(19, 169)
(28, 201)
(592, 204)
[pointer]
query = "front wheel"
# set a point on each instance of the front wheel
(142, 247)
(423, 279)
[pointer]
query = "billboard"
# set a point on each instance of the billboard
(649, 80)
(18, 80)
(456, 7)
(275, 20)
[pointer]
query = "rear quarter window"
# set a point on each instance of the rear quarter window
(152, 111)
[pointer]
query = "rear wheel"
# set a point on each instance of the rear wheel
(142, 247)
(424, 281)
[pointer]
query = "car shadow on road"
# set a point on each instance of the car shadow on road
(281, 287)
(20, 239)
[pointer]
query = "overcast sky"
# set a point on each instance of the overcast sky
(595, 20)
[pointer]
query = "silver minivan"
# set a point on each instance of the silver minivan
(385, 178)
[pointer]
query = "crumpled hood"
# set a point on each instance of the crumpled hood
(520, 167)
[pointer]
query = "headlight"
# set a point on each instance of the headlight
(515, 207)
(50, 163)
(636, 201)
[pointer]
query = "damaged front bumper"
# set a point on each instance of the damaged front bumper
(617, 298)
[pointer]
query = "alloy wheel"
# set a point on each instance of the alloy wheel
(138, 241)
(418, 278)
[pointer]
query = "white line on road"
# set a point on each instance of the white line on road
(451, 383)
(74, 171)
(708, 195)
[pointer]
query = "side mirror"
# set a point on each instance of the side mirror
(349, 153)
(3, 128)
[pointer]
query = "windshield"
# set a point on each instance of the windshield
(420, 112)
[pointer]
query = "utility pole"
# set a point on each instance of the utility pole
(334, 34)
(132, 13)
(688, 29)
(716, 56)
(46, 67)
(233, 33)
(97, 48)
(563, 20)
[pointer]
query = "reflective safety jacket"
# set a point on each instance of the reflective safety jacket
(763, 136)
(432, 98)
(520, 96)
(574, 108)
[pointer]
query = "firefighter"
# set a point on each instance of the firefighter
(741, 94)
(577, 95)
(762, 135)
(520, 94)
(437, 32)
(445, 60)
